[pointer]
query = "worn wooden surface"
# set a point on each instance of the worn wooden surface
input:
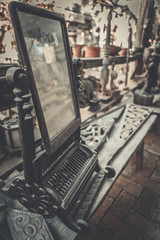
(121, 159)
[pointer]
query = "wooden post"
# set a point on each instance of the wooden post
(128, 51)
(106, 60)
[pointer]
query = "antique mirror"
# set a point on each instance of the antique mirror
(43, 46)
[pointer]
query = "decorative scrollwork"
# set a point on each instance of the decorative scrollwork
(25, 225)
(95, 134)
(34, 198)
(135, 116)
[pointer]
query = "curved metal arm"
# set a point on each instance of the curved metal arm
(16, 78)
(81, 226)
(109, 171)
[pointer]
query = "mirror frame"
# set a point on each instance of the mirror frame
(51, 145)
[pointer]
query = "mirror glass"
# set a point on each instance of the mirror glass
(45, 45)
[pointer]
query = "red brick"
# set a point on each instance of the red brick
(114, 228)
(134, 235)
(145, 227)
(146, 203)
(156, 216)
(158, 203)
(130, 168)
(98, 215)
(134, 188)
(95, 234)
(122, 181)
(114, 192)
(122, 205)
(130, 186)
(149, 155)
(141, 176)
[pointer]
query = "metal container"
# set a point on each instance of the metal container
(10, 134)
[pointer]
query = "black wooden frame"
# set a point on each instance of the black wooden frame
(51, 145)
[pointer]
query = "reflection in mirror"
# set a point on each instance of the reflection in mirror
(46, 50)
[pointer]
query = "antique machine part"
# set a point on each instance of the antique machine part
(26, 191)
(26, 225)
(33, 197)
(58, 174)
(10, 132)
(37, 200)
(29, 193)
(133, 118)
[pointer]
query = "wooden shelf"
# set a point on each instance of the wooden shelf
(97, 62)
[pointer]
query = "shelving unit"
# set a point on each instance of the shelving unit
(97, 62)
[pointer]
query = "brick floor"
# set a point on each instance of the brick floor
(131, 210)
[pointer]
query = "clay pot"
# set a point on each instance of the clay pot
(123, 52)
(114, 50)
(92, 52)
(76, 51)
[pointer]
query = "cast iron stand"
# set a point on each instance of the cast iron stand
(29, 193)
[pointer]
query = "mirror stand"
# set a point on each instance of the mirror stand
(26, 190)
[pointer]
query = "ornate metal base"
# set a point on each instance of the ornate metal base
(37, 200)
(34, 198)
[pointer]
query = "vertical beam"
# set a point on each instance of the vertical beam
(128, 50)
(29, 139)
(106, 60)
